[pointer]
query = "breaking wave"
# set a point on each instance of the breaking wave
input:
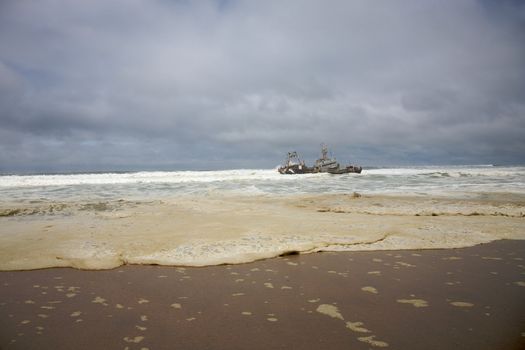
(406, 181)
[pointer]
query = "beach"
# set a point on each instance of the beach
(401, 258)
(469, 298)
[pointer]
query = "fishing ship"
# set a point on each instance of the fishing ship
(294, 165)
(330, 165)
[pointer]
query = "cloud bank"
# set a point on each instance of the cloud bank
(131, 85)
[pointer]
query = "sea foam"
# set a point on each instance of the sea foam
(196, 218)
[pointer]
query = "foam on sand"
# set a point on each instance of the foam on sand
(219, 229)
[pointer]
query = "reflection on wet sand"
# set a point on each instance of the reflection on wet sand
(413, 308)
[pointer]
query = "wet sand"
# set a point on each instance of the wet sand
(469, 298)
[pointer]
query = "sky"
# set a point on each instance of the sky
(171, 85)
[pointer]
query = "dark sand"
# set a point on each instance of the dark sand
(275, 303)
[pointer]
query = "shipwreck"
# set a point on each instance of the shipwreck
(295, 165)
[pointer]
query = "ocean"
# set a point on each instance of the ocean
(413, 181)
(199, 218)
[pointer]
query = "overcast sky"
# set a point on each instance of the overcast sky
(141, 84)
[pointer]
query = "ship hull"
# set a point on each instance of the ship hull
(295, 169)
(348, 170)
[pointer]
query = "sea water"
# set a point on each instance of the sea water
(196, 218)
(430, 180)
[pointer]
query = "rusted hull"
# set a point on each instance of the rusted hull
(348, 170)
(295, 169)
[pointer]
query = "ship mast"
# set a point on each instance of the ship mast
(324, 151)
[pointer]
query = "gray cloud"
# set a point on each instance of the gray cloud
(217, 84)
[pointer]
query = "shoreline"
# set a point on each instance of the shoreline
(410, 299)
(283, 255)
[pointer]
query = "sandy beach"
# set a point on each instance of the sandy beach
(469, 298)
